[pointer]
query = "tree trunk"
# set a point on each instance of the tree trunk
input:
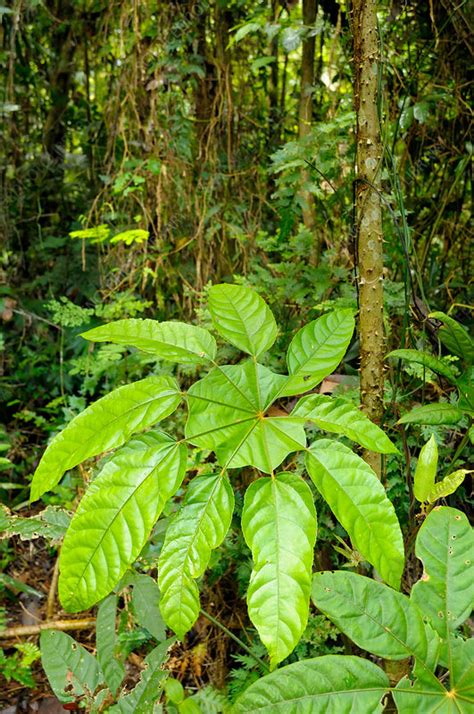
(205, 89)
(369, 214)
(274, 119)
(310, 9)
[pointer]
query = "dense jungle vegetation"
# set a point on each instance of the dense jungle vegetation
(236, 426)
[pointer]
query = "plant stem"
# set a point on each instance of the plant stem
(64, 625)
(236, 639)
(461, 446)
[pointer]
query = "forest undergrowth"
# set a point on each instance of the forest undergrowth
(182, 213)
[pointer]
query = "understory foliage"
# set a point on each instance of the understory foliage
(177, 182)
(239, 416)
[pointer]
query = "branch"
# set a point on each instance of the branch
(63, 625)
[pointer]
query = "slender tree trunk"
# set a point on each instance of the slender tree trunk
(205, 89)
(274, 123)
(310, 9)
(369, 214)
(223, 23)
(60, 81)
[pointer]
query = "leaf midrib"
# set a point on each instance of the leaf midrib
(355, 505)
(125, 503)
(120, 416)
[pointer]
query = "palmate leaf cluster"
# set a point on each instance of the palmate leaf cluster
(229, 413)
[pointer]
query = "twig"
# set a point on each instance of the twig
(52, 592)
(10, 633)
(230, 634)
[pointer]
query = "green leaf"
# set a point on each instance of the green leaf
(135, 235)
(445, 592)
(375, 617)
(71, 670)
(292, 37)
(433, 415)
(279, 525)
(198, 528)
(227, 414)
(245, 30)
(427, 360)
(97, 234)
(262, 62)
(50, 524)
(465, 385)
(425, 696)
(455, 337)
(104, 425)
(143, 697)
(115, 517)
(333, 684)
(359, 502)
(174, 690)
(173, 341)
(421, 111)
(242, 318)
(448, 485)
(18, 585)
(146, 604)
(113, 670)
(317, 349)
(462, 670)
(425, 472)
(339, 417)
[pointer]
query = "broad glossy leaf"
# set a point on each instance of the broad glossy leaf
(427, 360)
(143, 697)
(199, 527)
(333, 684)
(462, 669)
(455, 337)
(448, 485)
(237, 397)
(445, 593)
(425, 472)
(340, 417)
(426, 696)
(279, 526)
(104, 425)
(316, 350)
(242, 317)
(266, 445)
(375, 617)
(433, 414)
(68, 666)
(146, 605)
(113, 670)
(173, 341)
(359, 502)
(115, 517)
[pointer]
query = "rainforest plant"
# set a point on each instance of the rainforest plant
(456, 339)
(421, 627)
(232, 413)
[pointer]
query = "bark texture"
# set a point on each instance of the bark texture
(369, 213)
(310, 9)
